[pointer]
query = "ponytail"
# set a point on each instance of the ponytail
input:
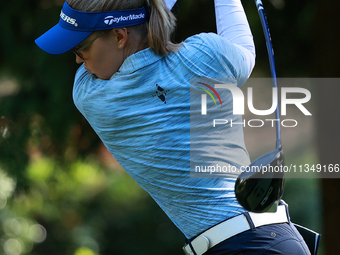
(161, 25)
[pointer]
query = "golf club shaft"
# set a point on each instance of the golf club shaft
(270, 51)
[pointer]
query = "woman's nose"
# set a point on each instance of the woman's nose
(79, 60)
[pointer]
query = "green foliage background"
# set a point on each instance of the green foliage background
(53, 179)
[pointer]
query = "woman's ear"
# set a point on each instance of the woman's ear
(121, 35)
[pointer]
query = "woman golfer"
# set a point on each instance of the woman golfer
(134, 86)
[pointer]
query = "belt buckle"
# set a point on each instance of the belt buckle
(201, 244)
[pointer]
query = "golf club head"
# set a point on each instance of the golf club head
(258, 190)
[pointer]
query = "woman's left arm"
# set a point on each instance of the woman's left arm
(232, 24)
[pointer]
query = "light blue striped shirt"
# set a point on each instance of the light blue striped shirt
(142, 115)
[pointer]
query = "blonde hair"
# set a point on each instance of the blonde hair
(157, 31)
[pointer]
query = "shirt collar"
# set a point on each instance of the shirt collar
(139, 60)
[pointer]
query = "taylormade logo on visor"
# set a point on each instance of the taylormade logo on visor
(109, 20)
(68, 19)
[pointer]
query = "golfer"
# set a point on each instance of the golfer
(133, 87)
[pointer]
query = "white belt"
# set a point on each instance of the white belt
(232, 227)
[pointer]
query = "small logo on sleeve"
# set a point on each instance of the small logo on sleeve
(160, 93)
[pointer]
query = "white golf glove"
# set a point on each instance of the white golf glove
(170, 3)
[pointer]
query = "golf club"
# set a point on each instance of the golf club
(256, 190)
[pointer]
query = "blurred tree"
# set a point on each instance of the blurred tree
(326, 64)
(84, 210)
(41, 111)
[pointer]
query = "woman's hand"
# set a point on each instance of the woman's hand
(170, 3)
